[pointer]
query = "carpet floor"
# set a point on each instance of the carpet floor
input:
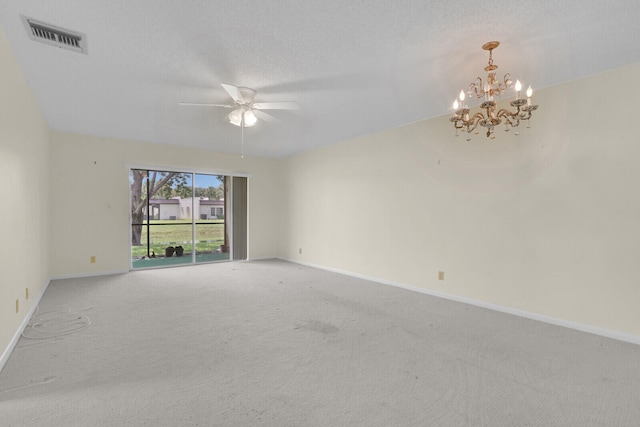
(277, 344)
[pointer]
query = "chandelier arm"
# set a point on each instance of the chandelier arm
(472, 123)
(527, 112)
(476, 117)
(507, 80)
(469, 124)
(512, 118)
(476, 88)
(503, 112)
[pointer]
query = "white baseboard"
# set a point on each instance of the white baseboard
(93, 274)
(16, 337)
(607, 333)
(263, 259)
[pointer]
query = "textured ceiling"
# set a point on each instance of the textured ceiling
(354, 66)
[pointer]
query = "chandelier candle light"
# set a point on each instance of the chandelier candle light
(462, 119)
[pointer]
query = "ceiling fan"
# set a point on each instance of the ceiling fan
(243, 113)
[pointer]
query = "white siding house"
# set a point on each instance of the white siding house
(178, 208)
(164, 209)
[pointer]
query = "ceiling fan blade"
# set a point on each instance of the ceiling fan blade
(234, 93)
(197, 104)
(265, 116)
(282, 105)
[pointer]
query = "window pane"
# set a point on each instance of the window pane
(210, 221)
(172, 243)
(210, 241)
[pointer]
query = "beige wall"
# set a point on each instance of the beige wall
(546, 222)
(90, 187)
(24, 221)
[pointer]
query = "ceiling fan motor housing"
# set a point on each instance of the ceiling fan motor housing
(247, 94)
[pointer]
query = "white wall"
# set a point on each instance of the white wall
(95, 170)
(167, 211)
(24, 219)
(547, 222)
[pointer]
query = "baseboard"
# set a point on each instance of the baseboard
(262, 259)
(607, 333)
(16, 337)
(93, 274)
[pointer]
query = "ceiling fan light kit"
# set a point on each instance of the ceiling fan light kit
(463, 119)
(243, 116)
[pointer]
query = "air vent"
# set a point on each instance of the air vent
(55, 36)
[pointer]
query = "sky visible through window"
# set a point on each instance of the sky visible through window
(206, 181)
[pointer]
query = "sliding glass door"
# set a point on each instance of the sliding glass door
(181, 218)
(210, 224)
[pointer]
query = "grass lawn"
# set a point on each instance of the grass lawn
(163, 233)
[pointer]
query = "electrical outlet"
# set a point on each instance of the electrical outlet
(300, 251)
(440, 275)
(26, 293)
(92, 259)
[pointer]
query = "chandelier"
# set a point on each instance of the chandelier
(463, 119)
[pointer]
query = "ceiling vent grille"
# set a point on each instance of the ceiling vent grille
(55, 36)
